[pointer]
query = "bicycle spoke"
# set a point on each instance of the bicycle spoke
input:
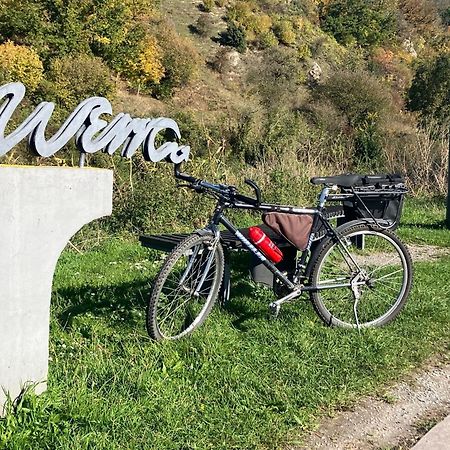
(187, 289)
(380, 280)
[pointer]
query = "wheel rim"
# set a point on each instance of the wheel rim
(185, 296)
(381, 286)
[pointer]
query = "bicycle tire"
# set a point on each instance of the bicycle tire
(391, 256)
(195, 247)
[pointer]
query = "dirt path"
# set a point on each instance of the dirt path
(396, 421)
(427, 252)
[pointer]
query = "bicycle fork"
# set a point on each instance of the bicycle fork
(203, 267)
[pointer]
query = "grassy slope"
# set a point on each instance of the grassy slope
(239, 382)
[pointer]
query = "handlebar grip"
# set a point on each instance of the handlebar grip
(183, 176)
(256, 189)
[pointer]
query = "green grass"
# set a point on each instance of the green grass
(239, 382)
(423, 222)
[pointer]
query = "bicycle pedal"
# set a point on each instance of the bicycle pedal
(274, 310)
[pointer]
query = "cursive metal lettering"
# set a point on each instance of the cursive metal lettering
(91, 133)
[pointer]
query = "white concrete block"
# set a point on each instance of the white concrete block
(40, 209)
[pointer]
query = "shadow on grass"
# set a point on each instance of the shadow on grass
(441, 225)
(119, 301)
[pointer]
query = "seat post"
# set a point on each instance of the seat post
(323, 197)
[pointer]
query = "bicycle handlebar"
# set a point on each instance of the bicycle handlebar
(183, 176)
(225, 191)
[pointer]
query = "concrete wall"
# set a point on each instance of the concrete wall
(40, 209)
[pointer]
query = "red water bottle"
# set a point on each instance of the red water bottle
(264, 243)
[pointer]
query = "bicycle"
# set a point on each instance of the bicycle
(358, 274)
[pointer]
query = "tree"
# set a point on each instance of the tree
(430, 90)
(20, 63)
(234, 36)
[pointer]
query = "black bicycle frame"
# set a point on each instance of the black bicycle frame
(318, 221)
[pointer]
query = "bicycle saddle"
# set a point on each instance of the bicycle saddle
(339, 180)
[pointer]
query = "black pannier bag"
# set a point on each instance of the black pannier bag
(382, 195)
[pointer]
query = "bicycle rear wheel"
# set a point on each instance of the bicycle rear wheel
(380, 267)
(186, 288)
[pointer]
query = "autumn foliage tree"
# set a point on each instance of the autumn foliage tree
(20, 63)
(147, 70)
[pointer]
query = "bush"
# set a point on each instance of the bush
(72, 79)
(208, 5)
(421, 14)
(259, 24)
(445, 15)
(277, 77)
(365, 104)
(179, 58)
(203, 26)
(366, 22)
(20, 63)
(267, 40)
(108, 29)
(240, 12)
(234, 36)
(284, 31)
(430, 90)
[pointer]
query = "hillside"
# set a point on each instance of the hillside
(273, 89)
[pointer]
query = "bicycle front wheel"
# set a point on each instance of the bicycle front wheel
(186, 288)
(379, 267)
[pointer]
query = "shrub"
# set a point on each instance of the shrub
(20, 63)
(430, 90)
(422, 14)
(180, 60)
(203, 26)
(365, 104)
(366, 22)
(239, 12)
(260, 24)
(285, 32)
(267, 40)
(277, 77)
(445, 15)
(234, 36)
(72, 79)
(107, 28)
(208, 5)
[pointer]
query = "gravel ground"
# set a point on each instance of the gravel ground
(396, 421)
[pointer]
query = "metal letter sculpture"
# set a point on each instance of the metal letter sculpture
(90, 131)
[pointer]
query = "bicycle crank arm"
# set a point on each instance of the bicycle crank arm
(274, 307)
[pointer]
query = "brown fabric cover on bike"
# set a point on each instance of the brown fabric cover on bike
(295, 228)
